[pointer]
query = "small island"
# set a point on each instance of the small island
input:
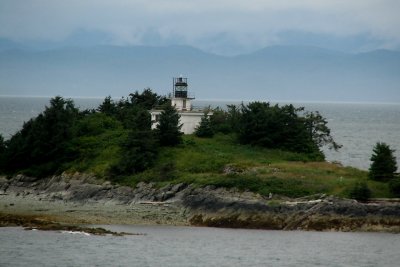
(249, 166)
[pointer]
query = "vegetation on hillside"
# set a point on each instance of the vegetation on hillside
(259, 147)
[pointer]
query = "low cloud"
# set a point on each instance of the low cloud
(248, 24)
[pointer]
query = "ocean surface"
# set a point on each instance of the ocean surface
(197, 246)
(357, 126)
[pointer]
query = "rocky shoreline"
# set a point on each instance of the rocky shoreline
(82, 199)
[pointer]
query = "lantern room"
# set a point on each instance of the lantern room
(181, 99)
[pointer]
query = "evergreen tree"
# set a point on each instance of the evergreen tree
(2, 152)
(321, 134)
(204, 129)
(383, 166)
(226, 121)
(394, 186)
(272, 126)
(219, 121)
(2, 145)
(234, 116)
(147, 99)
(360, 191)
(169, 129)
(108, 107)
(43, 143)
(139, 151)
(126, 108)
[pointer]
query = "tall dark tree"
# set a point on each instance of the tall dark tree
(139, 151)
(234, 116)
(383, 166)
(219, 121)
(108, 107)
(2, 152)
(318, 128)
(43, 142)
(226, 121)
(126, 108)
(147, 99)
(283, 127)
(204, 129)
(272, 126)
(2, 145)
(169, 128)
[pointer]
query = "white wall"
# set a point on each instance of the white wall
(178, 103)
(189, 119)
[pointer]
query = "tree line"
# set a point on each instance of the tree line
(46, 143)
(272, 126)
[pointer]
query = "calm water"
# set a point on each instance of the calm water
(189, 246)
(356, 126)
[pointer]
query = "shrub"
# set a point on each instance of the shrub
(167, 171)
(360, 191)
(394, 186)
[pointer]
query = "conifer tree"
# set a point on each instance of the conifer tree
(360, 191)
(394, 186)
(169, 129)
(108, 107)
(383, 166)
(2, 145)
(139, 151)
(204, 129)
(43, 143)
(2, 152)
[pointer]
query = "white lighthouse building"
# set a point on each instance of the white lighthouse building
(182, 101)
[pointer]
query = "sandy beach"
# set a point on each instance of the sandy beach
(94, 212)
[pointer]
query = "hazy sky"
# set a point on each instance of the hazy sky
(221, 26)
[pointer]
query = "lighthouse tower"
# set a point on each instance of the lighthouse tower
(180, 99)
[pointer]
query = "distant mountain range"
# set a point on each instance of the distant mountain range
(293, 73)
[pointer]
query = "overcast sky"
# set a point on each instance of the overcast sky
(220, 26)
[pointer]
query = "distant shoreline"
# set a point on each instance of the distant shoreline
(238, 101)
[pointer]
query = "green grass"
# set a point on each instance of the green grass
(202, 161)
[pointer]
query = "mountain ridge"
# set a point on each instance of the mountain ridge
(302, 73)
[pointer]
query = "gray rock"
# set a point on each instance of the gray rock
(229, 205)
